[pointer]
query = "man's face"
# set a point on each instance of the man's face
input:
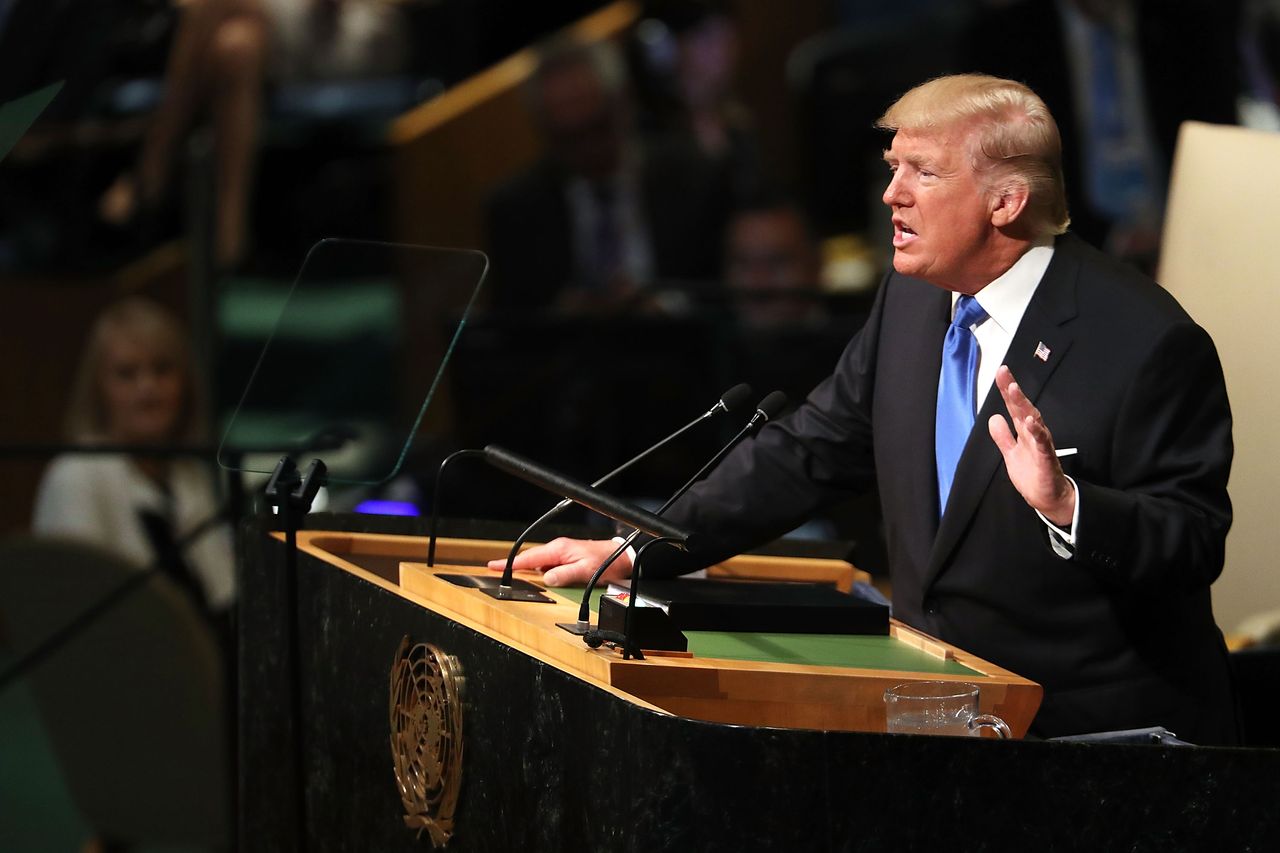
(583, 122)
(942, 225)
(769, 253)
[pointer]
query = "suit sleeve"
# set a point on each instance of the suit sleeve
(1161, 525)
(817, 455)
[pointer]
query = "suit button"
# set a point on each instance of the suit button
(931, 607)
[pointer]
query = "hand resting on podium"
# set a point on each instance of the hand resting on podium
(569, 562)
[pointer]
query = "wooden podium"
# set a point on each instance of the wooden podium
(430, 715)
(783, 686)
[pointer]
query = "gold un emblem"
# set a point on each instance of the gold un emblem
(426, 737)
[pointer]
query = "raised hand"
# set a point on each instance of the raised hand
(1029, 456)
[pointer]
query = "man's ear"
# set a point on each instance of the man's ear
(1009, 203)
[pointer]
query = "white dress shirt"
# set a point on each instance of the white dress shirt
(1005, 300)
(97, 499)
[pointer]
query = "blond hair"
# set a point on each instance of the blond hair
(148, 324)
(1016, 140)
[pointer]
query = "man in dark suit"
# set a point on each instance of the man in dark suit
(1093, 580)
(603, 215)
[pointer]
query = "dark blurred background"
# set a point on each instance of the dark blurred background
(674, 196)
(196, 152)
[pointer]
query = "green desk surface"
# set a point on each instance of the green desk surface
(857, 651)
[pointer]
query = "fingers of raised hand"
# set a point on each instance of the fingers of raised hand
(1034, 428)
(998, 427)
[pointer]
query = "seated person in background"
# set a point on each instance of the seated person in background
(694, 71)
(1120, 77)
(772, 266)
(222, 52)
(136, 386)
(601, 216)
(1081, 557)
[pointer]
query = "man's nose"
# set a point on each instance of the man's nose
(893, 193)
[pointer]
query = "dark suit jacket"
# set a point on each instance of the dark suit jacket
(1120, 636)
(685, 201)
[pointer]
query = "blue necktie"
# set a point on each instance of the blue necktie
(956, 393)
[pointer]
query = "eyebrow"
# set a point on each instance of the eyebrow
(915, 161)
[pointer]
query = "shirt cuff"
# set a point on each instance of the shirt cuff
(631, 551)
(1063, 542)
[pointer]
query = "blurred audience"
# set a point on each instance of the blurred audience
(878, 14)
(222, 52)
(773, 265)
(1260, 64)
(136, 385)
(603, 216)
(1120, 76)
(689, 54)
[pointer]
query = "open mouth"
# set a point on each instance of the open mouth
(902, 234)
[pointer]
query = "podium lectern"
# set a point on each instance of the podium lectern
(537, 743)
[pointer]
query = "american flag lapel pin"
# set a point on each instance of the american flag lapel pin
(1042, 352)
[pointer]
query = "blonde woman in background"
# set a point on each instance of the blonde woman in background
(136, 386)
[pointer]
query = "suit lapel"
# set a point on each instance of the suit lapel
(1038, 347)
(922, 401)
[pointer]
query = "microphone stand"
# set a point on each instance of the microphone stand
(769, 406)
(292, 494)
(728, 401)
(598, 637)
(435, 498)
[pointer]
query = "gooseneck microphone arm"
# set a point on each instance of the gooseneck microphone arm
(628, 645)
(598, 637)
(435, 498)
(580, 493)
(729, 401)
(768, 409)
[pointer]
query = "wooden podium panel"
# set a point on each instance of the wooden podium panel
(786, 691)
(562, 748)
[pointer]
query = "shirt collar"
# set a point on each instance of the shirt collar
(1006, 298)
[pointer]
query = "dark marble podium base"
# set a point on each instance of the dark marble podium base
(554, 763)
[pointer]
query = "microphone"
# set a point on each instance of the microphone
(769, 408)
(580, 493)
(435, 498)
(730, 401)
